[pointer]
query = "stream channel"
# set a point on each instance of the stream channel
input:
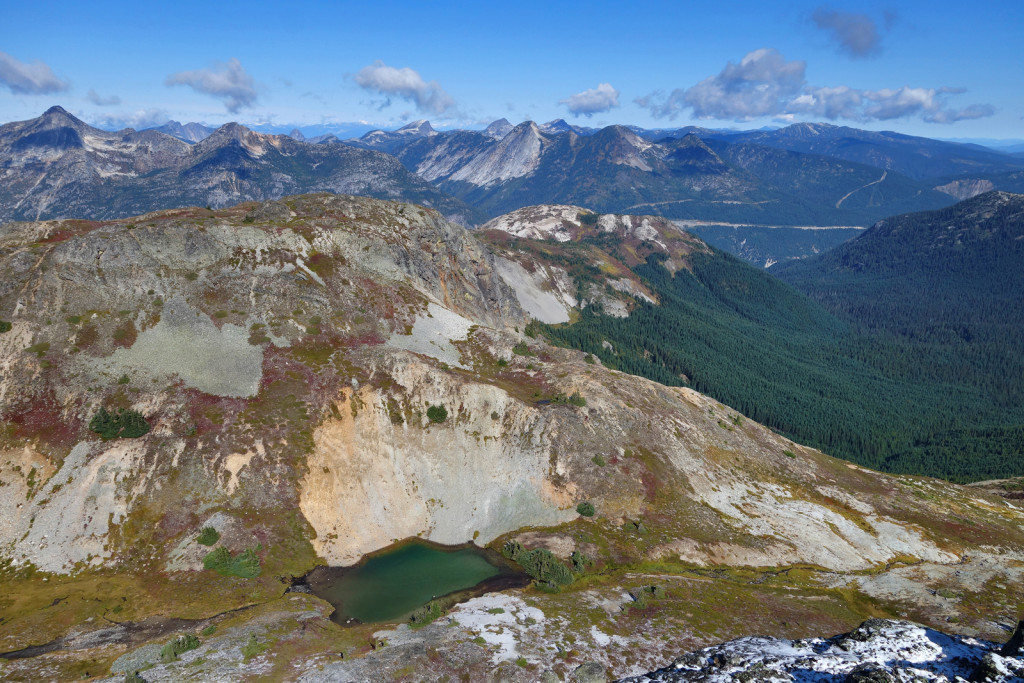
(390, 584)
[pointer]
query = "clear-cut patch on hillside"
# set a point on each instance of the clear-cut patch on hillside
(187, 344)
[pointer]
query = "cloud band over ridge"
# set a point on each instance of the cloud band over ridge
(764, 84)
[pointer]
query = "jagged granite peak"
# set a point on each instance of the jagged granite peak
(420, 127)
(188, 132)
(515, 155)
(498, 129)
(557, 126)
(296, 134)
(391, 141)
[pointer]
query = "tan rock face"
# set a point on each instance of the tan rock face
(371, 482)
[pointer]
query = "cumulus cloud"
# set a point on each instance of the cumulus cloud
(227, 81)
(407, 84)
(855, 34)
(29, 79)
(97, 99)
(594, 101)
(755, 87)
(139, 119)
(765, 84)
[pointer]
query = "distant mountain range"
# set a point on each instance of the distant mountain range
(802, 175)
(58, 166)
(916, 157)
(615, 170)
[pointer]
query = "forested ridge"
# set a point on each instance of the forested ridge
(906, 357)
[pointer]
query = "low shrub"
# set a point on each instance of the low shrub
(521, 349)
(426, 614)
(586, 509)
(125, 424)
(437, 414)
(540, 564)
(580, 562)
(512, 550)
(5, 326)
(178, 646)
(252, 647)
(208, 536)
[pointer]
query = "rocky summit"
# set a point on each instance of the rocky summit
(199, 406)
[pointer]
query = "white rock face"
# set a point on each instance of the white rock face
(547, 222)
(188, 345)
(516, 155)
(433, 334)
(69, 518)
(530, 288)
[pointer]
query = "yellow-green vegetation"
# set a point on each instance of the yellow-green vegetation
(245, 565)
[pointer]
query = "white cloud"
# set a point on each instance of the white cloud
(764, 84)
(138, 119)
(755, 87)
(29, 79)
(97, 99)
(855, 34)
(594, 101)
(407, 84)
(227, 81)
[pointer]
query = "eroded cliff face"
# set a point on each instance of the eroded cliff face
(473, 478)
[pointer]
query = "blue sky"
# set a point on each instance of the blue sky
(926, 68)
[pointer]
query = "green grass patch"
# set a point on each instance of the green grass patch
(245, 565)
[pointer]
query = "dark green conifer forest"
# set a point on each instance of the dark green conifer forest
(903, 351)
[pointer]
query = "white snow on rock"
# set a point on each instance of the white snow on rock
(496, 617)
(879, 649)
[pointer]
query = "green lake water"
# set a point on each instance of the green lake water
(391, 584)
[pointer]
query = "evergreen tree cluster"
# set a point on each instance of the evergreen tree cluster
(124, 424)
